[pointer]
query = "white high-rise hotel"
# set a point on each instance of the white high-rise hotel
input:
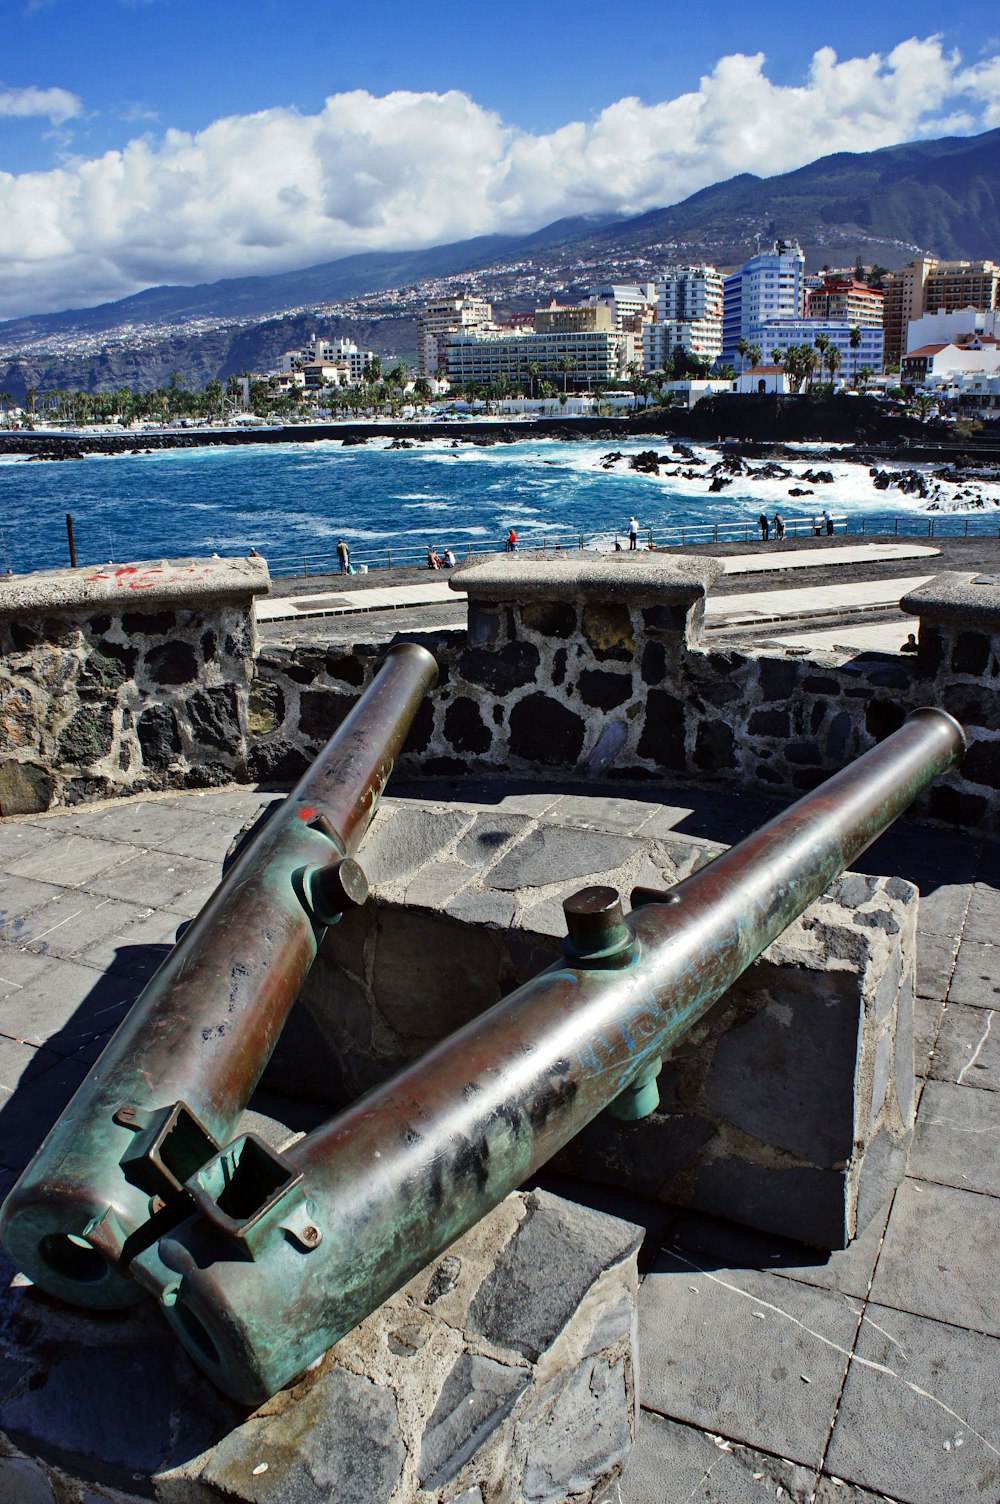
(771, 285)
(689, 314)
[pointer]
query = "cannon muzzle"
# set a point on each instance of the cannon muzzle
(169, 1088)
(285, 1252)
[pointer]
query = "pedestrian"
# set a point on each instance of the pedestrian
(344, 555)
(449, 559)
(433, 559)
(512, 542)
(765, 527)
(779, 526)
(828, 522)
(633, 533)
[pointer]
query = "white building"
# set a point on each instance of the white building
(945, 328)
(762, 380)
(942, 362)
(581, 358)
(771, 285)
(440, 320)
(343, 362)
(689, 314)
(780, 333)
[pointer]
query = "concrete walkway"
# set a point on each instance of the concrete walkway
(757, 607)
(825, 558)
(768, 1371)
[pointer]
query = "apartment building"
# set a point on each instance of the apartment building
(342, 363)
(928, 285)
(771, 285)
(845, 298)
(442, 319)
(577, 359)
(573, 318)
(688, 313)
(780, 333)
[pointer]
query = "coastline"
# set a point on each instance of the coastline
(758, 424)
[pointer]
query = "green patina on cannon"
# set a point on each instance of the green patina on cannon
(170, 1087)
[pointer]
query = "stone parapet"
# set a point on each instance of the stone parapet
(505, 1372)
(123, 679)
(120, 587)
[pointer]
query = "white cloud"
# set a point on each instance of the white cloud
(57, 105)
(279, 189)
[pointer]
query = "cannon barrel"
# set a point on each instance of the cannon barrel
(171, 1084)
(285, 1252)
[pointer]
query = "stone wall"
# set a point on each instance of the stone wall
(578, 668)
(123, 679)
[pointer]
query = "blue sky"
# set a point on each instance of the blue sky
(144, 141)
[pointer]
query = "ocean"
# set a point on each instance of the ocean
(293, 501)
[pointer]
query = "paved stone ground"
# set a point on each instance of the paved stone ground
(768, 1371)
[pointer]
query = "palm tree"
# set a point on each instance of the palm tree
(822, 343)
(533, 369)
(855, 340)
(864, 376)
(743, 350)
(834, 360)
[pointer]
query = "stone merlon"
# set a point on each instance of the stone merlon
(137, 587)
(957, 600)
(646, 578)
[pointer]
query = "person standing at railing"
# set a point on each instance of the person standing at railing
(344, 555)
(633, 533)
(512, 542)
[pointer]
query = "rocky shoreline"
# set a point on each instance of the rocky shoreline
(757, 426)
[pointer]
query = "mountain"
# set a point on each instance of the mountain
(939, 196)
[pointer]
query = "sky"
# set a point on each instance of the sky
(180, 141)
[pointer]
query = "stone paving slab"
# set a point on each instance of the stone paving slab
(918, 1417)
(968, 1047)
(939, 1256)
(976, 979)
(60, 1003)
(957, 1137)
(675, 1464)
(743, 1353)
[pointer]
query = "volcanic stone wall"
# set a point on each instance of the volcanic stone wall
(582, 668)
(124, 679)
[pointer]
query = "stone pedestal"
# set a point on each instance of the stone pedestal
(505, 1373)
(788, 1108)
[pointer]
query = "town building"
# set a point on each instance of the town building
(439, 320)
(574, 317)
(771, 285)
(977, 353)
(344, 364)
(688, 314)
(942, 328)
(845, 298)
(577, 359)
(928, 285)
(778, 334)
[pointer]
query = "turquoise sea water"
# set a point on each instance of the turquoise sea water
(292, 501)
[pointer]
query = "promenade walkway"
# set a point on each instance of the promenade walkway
(767, 1370)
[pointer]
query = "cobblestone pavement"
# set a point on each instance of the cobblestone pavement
(768, 1371)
